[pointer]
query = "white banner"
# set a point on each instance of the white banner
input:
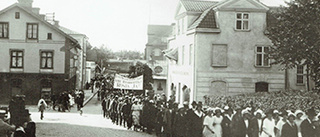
(121, 82)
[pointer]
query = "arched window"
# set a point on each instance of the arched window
(262, 87)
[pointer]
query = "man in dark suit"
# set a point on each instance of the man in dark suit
(242, 124)
(255, 124)
(290, 128)
(226, 122)
(307, 128)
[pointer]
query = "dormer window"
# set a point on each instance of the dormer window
(242, 21)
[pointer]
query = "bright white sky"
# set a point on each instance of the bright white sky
(119, 24)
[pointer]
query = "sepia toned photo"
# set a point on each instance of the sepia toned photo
(159, 68)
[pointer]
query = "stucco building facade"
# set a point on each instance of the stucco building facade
(219, 48)
(37, 58)
(157, 43)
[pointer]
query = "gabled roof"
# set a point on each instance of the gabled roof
(69, 31)
(197, 5)
(37, 16)
(206, 20)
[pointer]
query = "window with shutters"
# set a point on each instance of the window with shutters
(219, 56)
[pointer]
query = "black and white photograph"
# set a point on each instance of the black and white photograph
(159, 68)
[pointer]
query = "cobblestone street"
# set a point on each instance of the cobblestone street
(71, 124)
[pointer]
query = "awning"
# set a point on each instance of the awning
(171, 54)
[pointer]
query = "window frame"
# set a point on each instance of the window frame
(2, 24)
(17, 15)
(242, 21)
(46, 59)
(37, 33)
(17, 56)
(262, 57)
(300, 75)
(49, 34)
(212, 59)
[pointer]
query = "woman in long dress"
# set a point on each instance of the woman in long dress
(208, 124)
(299, 118)
(136, 108)
(217, 119)
(268, 126)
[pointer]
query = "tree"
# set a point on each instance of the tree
(100, 54)
(128, 54)
(295, 36)
(142, 69)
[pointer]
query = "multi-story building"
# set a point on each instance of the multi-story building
(90, 70)
(220, 48)
(157, 42)
(37, 58)
(81, 61)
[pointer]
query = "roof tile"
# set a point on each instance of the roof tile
(197, 5)
(205, 20)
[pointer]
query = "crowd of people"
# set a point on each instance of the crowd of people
(272, 115)
(65, 100)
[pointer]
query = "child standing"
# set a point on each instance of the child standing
(42, 106)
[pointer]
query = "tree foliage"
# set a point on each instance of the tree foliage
(103, 53)
(296, 36)
(128, 54)
(142, 69)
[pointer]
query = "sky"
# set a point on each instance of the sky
(117, 24)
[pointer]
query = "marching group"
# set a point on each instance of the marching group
(168, 119)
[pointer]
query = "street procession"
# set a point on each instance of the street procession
(160, 68)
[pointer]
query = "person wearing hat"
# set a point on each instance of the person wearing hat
(135, 112)
(208, 130)
(226, 122)
(180, 121)
(284, 115)
(256, 124)
(290, 128)
(217, 120)
(237, 123)
(5, 127)
(276, 116)
(298, 120)
(307, 127)
(195, 121)
(268, 125)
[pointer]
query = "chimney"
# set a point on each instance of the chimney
(56, 23)
(26, 3)
(36, 10)
(43, 16)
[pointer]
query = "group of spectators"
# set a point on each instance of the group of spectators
(277, 114)
(65, 100)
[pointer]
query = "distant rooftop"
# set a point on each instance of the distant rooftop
(157, 34)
